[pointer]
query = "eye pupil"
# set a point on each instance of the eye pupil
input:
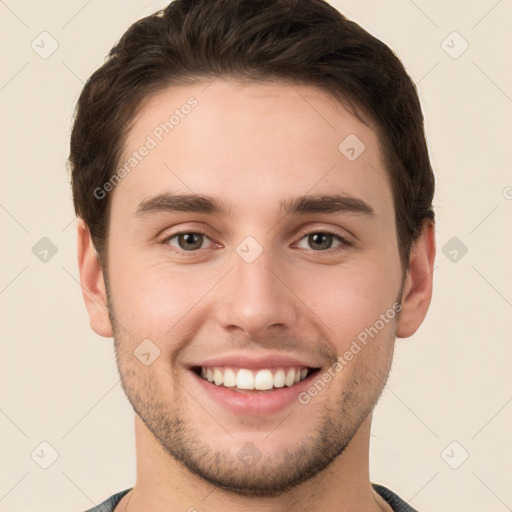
(191, 240)
(320, 241)
(319, 238)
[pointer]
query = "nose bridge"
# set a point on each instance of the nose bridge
(253, 297)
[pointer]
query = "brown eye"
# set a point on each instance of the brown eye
(320, 240)
(187, 241)
(323, 241)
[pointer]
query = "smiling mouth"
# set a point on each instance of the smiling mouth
(263, 380)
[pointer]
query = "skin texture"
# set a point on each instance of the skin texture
(252, 145)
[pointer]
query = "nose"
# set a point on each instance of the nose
(256, 297)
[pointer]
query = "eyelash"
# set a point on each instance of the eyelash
(345, 243)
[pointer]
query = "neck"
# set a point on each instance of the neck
(164, 485)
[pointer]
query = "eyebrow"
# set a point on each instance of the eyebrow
(200, 203)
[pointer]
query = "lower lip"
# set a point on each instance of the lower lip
(254, 403)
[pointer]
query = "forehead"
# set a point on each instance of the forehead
(252, 143)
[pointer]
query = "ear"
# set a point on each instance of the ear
(92, 282)
(417, 291)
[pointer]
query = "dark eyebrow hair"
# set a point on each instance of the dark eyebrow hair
(199, 203)
(324, 203)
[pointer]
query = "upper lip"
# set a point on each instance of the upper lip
(251, 361)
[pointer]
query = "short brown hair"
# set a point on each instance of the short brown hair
(299, 41)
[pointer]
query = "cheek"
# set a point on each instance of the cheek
(350, 299)
(152, 301)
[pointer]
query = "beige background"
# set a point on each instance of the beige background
(450, 382)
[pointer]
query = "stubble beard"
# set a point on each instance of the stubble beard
(274, 473)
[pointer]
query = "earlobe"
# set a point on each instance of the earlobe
(92, 282)
(417, 292)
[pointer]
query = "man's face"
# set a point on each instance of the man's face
(254, 288)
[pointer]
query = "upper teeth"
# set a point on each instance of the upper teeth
(243, 378)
